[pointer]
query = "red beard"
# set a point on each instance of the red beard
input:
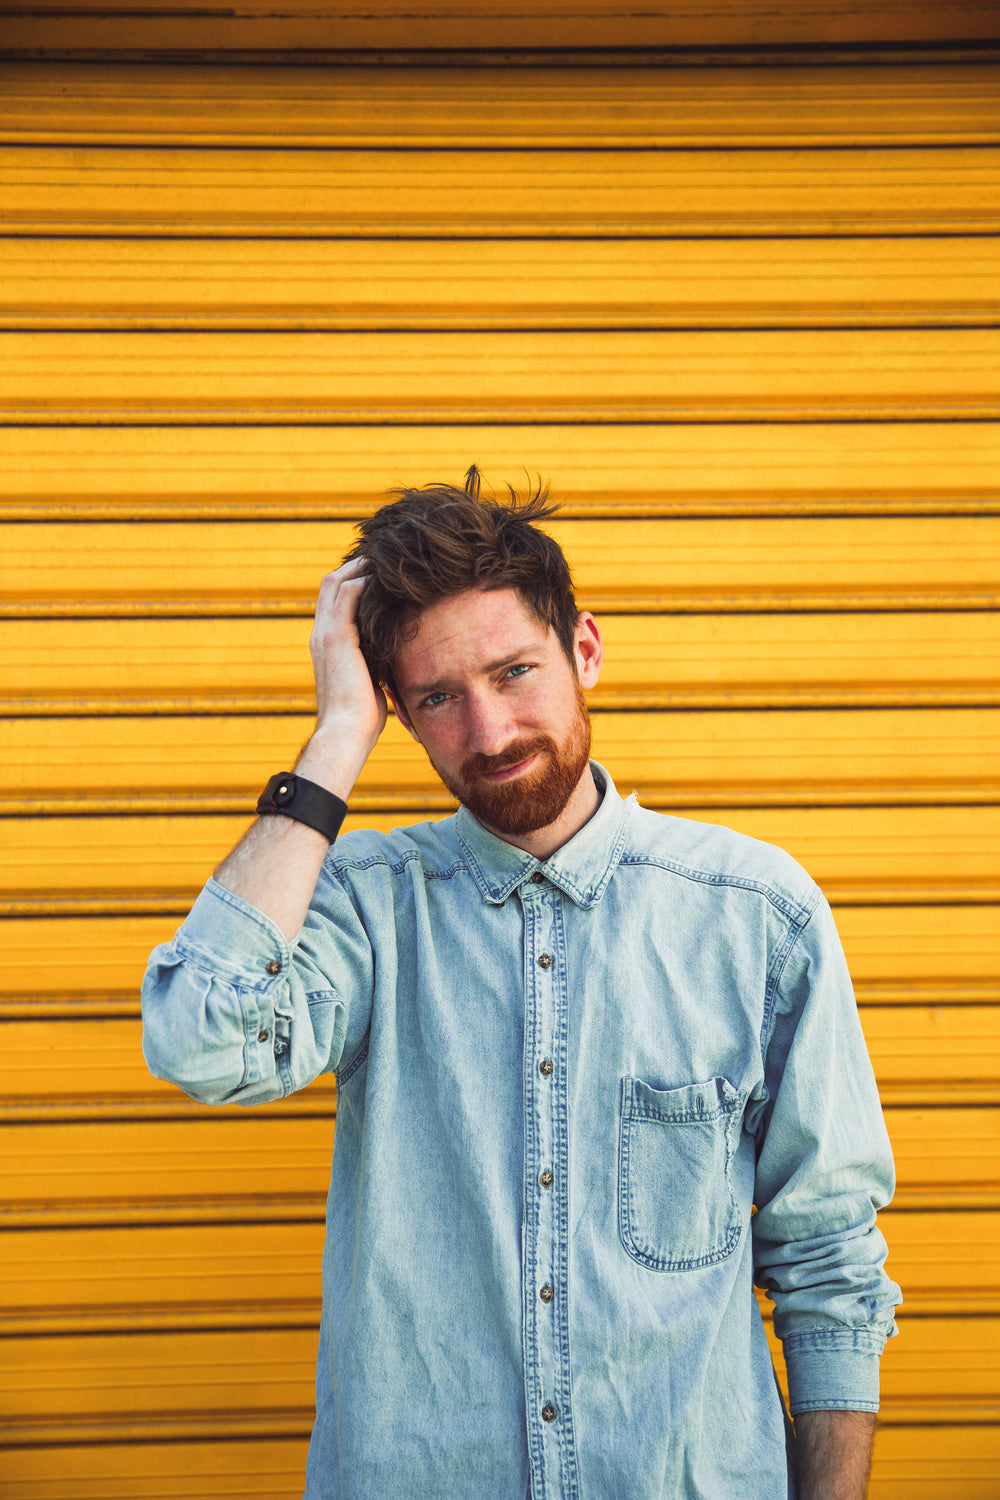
(540, 796)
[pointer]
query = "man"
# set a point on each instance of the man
(577, 1044)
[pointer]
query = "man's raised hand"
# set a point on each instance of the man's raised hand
(350, 710)
(276, 863)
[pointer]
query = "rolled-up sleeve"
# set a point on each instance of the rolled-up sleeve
(824, 1170)
(233, 1013)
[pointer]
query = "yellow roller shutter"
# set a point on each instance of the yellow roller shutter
(745, 321)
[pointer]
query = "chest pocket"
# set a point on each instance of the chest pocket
(676, 1206)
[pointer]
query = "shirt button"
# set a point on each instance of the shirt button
(273, 966)
(546, 1294)
(538, 877)
(546, 1178)
(262, 1036)
(546, 1066)
(548, 1412)
(545, 960)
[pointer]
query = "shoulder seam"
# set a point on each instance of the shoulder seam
(797, 911)
(345, 864)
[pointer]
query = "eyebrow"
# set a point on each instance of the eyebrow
(421, 689)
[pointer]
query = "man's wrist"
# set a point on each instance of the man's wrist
(333, 758)
(293, 796)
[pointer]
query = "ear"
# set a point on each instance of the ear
(588, 649)
(400, 712)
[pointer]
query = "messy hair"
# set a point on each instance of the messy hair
(436, 541)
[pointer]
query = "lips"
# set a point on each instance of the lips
(508, 773)
(508, 764)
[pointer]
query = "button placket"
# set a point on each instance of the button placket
(546, 1209)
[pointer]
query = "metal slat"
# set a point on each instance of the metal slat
(955, 1362)
(113, 190)
(94, 1069)
(498, 107)
(623, 471)
(935, 1056)
(182, 1275)
(171, 1275)
(911, 1463)
(930, 955)
(199, 29)
(133, 1385)
(139, 1171)
(158, 863)
(237, 665)
(495, 285)
(936, 1463)
(644, 566)
(691, 759)
(252, 1469)
(414, 378)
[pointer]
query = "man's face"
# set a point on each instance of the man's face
(489, 692)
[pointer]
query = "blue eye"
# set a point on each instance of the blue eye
(433, 699)
(519, 670)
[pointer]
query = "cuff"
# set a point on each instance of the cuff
(242, 944)
(833, 1372)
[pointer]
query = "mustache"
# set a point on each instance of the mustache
(483, 765)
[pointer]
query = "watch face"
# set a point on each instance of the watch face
(284, 791)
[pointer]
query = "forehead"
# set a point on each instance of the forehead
(465, 632)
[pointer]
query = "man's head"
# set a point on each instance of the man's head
(469, 619)
(437, 541)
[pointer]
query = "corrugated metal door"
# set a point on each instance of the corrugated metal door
(746, 323)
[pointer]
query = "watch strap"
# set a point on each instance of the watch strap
(303, 800)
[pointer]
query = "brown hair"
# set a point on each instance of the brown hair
(434, 542)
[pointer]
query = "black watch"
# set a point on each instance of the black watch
(305, 801)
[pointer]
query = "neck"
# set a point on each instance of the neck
(580, 808)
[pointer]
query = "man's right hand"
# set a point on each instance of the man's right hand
(276, 863)
(350, 710)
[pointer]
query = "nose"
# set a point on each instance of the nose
(489, 728)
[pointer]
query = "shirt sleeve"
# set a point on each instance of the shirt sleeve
(233, 1013)
(824, 1170)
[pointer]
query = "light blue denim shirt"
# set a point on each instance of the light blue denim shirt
(562, 1088)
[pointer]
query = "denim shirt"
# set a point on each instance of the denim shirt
(563, 1086)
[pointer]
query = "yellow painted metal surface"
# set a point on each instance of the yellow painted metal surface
(174, 1275)
(728, 470)
(225, 192)
(225, 665)
(83, 1171)
(898, 955)
(642, 566)
(160, 861)
(79, 1170)
(455, 284)
(94, 1069)
(745, 321)
(168, 1376)
(416, 377)
(936, 1463)
(163, 1276)
(95, 27)
(911, 1463)
(432, 107)
(699, 759)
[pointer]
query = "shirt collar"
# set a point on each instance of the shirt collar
(581, 868)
